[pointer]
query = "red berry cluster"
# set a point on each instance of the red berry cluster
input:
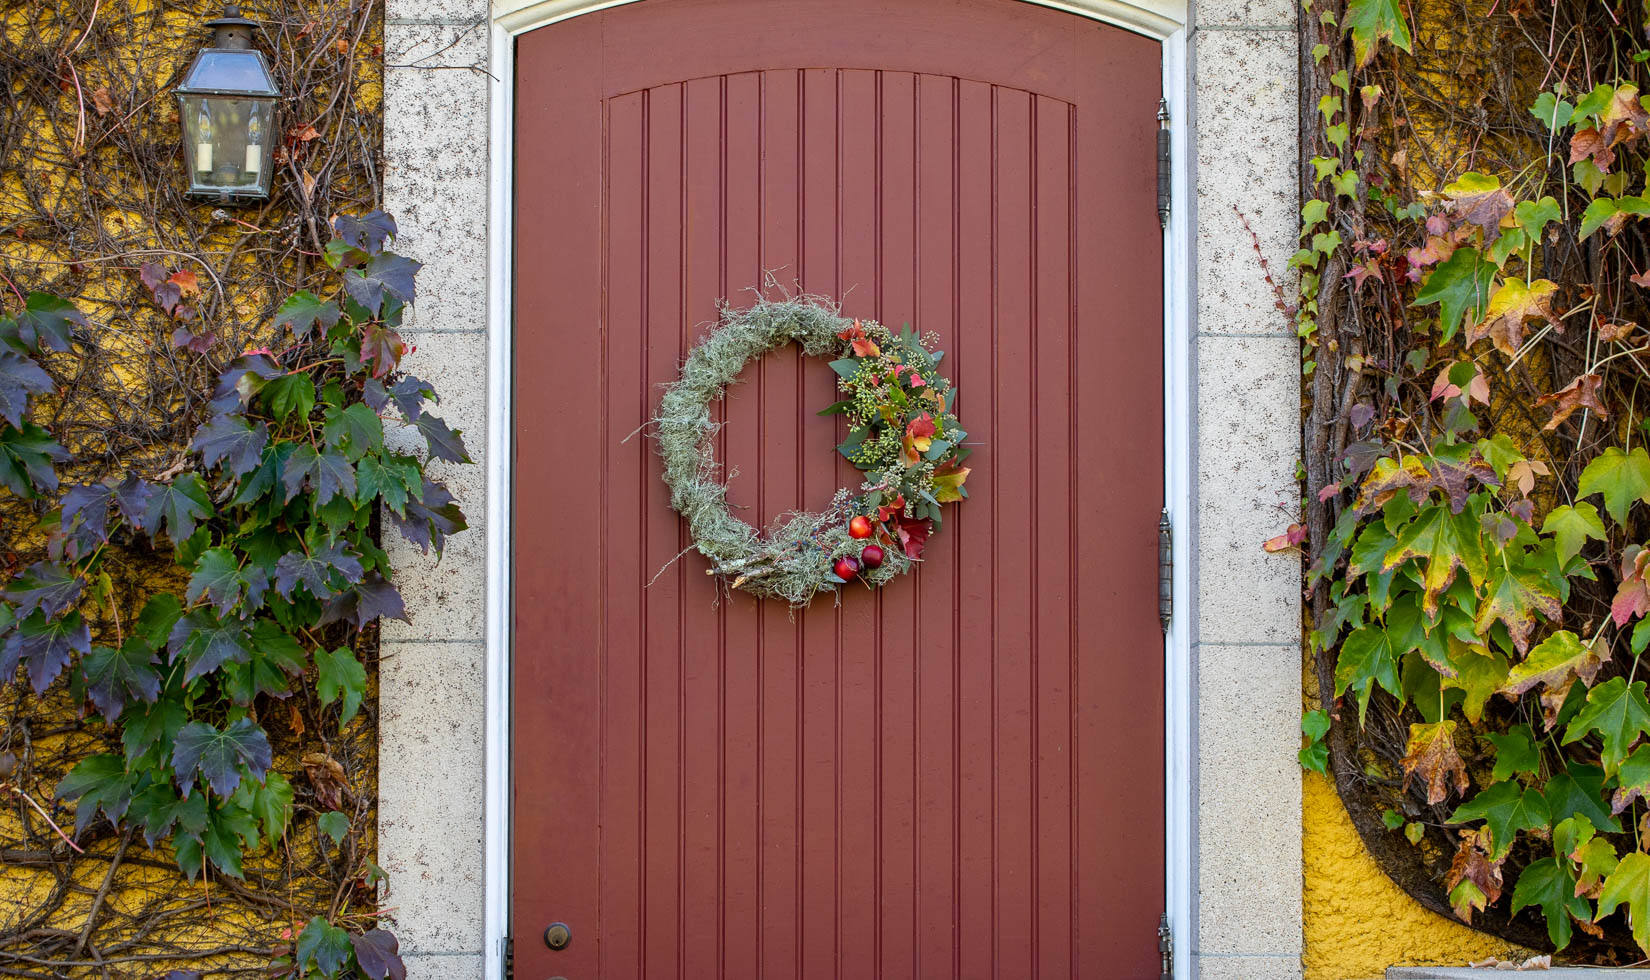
(870, 556)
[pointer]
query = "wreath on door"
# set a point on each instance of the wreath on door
(902, 433)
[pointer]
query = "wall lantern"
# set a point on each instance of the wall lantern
(227, 106)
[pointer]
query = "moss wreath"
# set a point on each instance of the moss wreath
(902, 433)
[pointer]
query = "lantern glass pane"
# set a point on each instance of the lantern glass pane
(227, 144)
(229, 70)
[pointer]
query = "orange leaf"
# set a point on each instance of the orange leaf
(1431, 754)
(1581, 393)
(186, 281)
(102, 101)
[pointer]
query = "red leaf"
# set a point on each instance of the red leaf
(1292, 538)
(913, 535)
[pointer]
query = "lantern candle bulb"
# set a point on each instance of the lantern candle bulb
(203, 146)
(255, 144)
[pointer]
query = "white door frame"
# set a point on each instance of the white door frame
(1160, 21)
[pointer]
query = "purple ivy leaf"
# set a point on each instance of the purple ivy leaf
(378, 954)
(20, 378)
(385, 274)
(116, 676)
(217, 755)
(242, 380)
(1361, 414)
(377, 598)
(205, 643)
(232, 442)
(132, 496)
(367, 233)
(46, 586)
(89, 502)
(430, 519)
(444, 443)
(313, 570)
(46, 647)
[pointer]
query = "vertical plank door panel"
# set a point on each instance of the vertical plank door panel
(957, 775)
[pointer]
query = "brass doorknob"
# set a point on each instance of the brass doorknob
(557, 935)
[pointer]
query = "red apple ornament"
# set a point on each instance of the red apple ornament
(859, 527)
(871, 557)
(846, 567)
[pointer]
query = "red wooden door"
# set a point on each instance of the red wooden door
(958, 776)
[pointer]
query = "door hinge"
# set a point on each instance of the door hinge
(1164, 168)
(1165, 947)
(1165, 571)
(509, 957)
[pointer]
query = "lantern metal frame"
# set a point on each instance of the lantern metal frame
(226, 111)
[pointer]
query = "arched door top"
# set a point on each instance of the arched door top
(1153, 18)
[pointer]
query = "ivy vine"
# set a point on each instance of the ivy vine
(1473, 277)
(270, 522)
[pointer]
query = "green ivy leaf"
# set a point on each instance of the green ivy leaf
(228, 828)
(158, 810)
(146, 726)
(1618, 713)
(1578, 789)
(1622, 477)
(47, 321)
(334, 824)
(1632, 780)
(269, 802)
(1507, 808)
(1549, 885)
(340, 675)
(1460, 285)
(98, 782)
(179, 505)
(26, 458)
(1519, 598)
(218, 577)
(1441, 543)
(1554, 112)
(1370, 20)
(1534, 216)
(291, 394)
(354, 431)
(325, 945)
(303, 310)
(1515, 752)
(1369, 656)
(115, 676)
(1571, 527)
(1629, 884)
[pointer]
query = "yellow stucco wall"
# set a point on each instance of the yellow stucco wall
(1357, 922)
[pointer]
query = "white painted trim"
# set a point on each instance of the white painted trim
(500, 234)
(1157, 19)
(1179, 408)
(1179, 405)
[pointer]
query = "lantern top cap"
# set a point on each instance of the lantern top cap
(231, 18)
(231, 66)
